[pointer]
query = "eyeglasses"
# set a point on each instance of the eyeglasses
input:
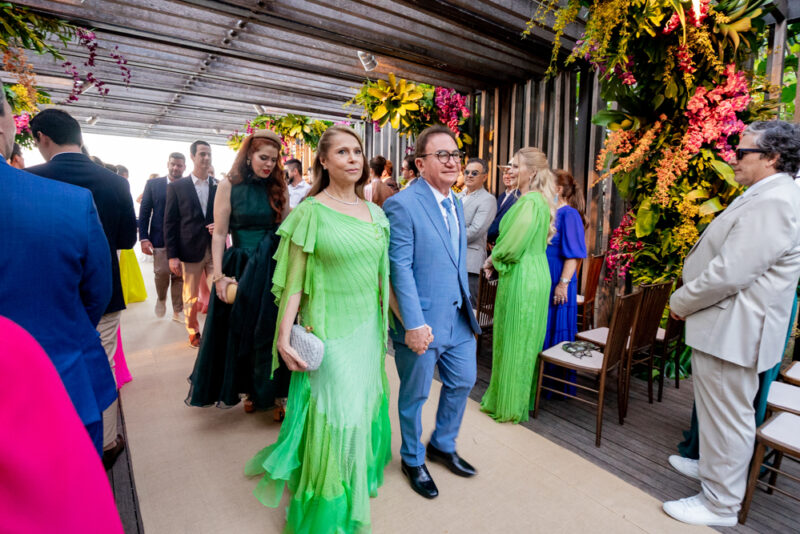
(472, 173)
(580, 349)
(742, 152)
(444, 156)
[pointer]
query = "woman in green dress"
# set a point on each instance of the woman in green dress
(333, 273)
(235, 357)
(520, 311)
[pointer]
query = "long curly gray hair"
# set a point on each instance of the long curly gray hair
(778, 137)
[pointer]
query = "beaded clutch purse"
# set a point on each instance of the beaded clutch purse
(308, 346)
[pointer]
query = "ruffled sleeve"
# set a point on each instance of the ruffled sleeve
(573, 236)
(294, 269)
(516, 230)
(379, 218)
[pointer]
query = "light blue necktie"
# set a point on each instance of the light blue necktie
(453, 228)
(451, 225)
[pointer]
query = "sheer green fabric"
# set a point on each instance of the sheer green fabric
(520, 311)
(336, 438)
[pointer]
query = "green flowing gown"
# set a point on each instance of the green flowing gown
(336, 438)
(520, 310)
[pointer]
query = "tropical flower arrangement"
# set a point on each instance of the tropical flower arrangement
(674, 69)
(299, 128)
(22, 30)
(410, 108)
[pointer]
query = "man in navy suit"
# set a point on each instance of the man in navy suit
(504, 201)
(188, 225)
(58, 137)
(56, 279)
(151, 236)
(435, 326)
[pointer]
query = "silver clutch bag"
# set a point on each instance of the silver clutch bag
(308, 346)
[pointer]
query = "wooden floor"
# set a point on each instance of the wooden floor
(637, 451)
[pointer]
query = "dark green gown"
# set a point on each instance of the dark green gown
(235, 356)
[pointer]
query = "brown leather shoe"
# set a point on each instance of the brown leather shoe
(110, 456)
(194, 340)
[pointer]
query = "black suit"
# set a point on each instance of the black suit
(112, 196)
(185, 232)
(504, 203)
(151, 214)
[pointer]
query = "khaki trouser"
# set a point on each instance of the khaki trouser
(192, 273)
(107, 328)
(724, 394)
(163, 278)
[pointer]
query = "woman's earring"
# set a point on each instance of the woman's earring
(248, 162)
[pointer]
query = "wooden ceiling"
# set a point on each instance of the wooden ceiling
(202, 67)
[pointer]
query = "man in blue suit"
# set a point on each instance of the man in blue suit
(58, 137)
(151, 236)
(435, 326)
(56, 279)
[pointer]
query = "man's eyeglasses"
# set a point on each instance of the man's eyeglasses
(444, 156)
(472, 173)
(742, 152)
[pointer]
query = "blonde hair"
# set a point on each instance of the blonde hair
(542, 180)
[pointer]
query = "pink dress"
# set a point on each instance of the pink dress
(52, 477)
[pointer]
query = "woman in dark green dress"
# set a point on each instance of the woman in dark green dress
(235, 357)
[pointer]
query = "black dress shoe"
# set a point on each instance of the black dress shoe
(420, 480)
(110, 456)
(451, 460)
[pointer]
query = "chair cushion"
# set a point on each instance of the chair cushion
(660, 334)
(557, 354)
(580, 299)
(784, 397)
(792, 373)
(598, 336)
(785, 429)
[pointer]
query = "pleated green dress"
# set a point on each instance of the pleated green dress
(520, 310)
(336, 438)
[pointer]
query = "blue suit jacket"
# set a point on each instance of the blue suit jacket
(56, 280)
(112, 197)
(151, 214)
(426, 276)
(502, 209)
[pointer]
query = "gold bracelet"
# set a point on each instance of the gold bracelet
(217, 278)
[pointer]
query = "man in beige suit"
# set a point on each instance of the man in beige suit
(480, 207)
(739, 283)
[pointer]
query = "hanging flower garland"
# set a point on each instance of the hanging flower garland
(674, 69)
(410, 108)
(298, 128)
(23, 30)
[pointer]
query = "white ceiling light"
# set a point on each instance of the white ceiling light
(367, 61)
(91, 121)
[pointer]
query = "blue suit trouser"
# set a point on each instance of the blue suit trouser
(457, 370)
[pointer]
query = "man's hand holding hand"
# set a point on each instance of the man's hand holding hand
(419, 339)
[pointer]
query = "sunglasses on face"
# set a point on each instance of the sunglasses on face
(472, 173)
(742, 152)
(444, 156)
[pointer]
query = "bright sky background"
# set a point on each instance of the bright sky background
(141, 156)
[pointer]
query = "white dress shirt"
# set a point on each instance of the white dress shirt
(201, 186)
(297, 193)
(439, 198)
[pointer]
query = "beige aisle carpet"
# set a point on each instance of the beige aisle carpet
(188, 462)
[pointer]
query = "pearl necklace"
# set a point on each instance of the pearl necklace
(340, 200)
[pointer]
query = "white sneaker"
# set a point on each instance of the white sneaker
(693, 510)
(685, 466)
(161, 308)
(178, 317)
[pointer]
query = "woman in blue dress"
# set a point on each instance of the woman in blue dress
(564, 252)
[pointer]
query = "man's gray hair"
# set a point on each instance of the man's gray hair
(778, 137)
